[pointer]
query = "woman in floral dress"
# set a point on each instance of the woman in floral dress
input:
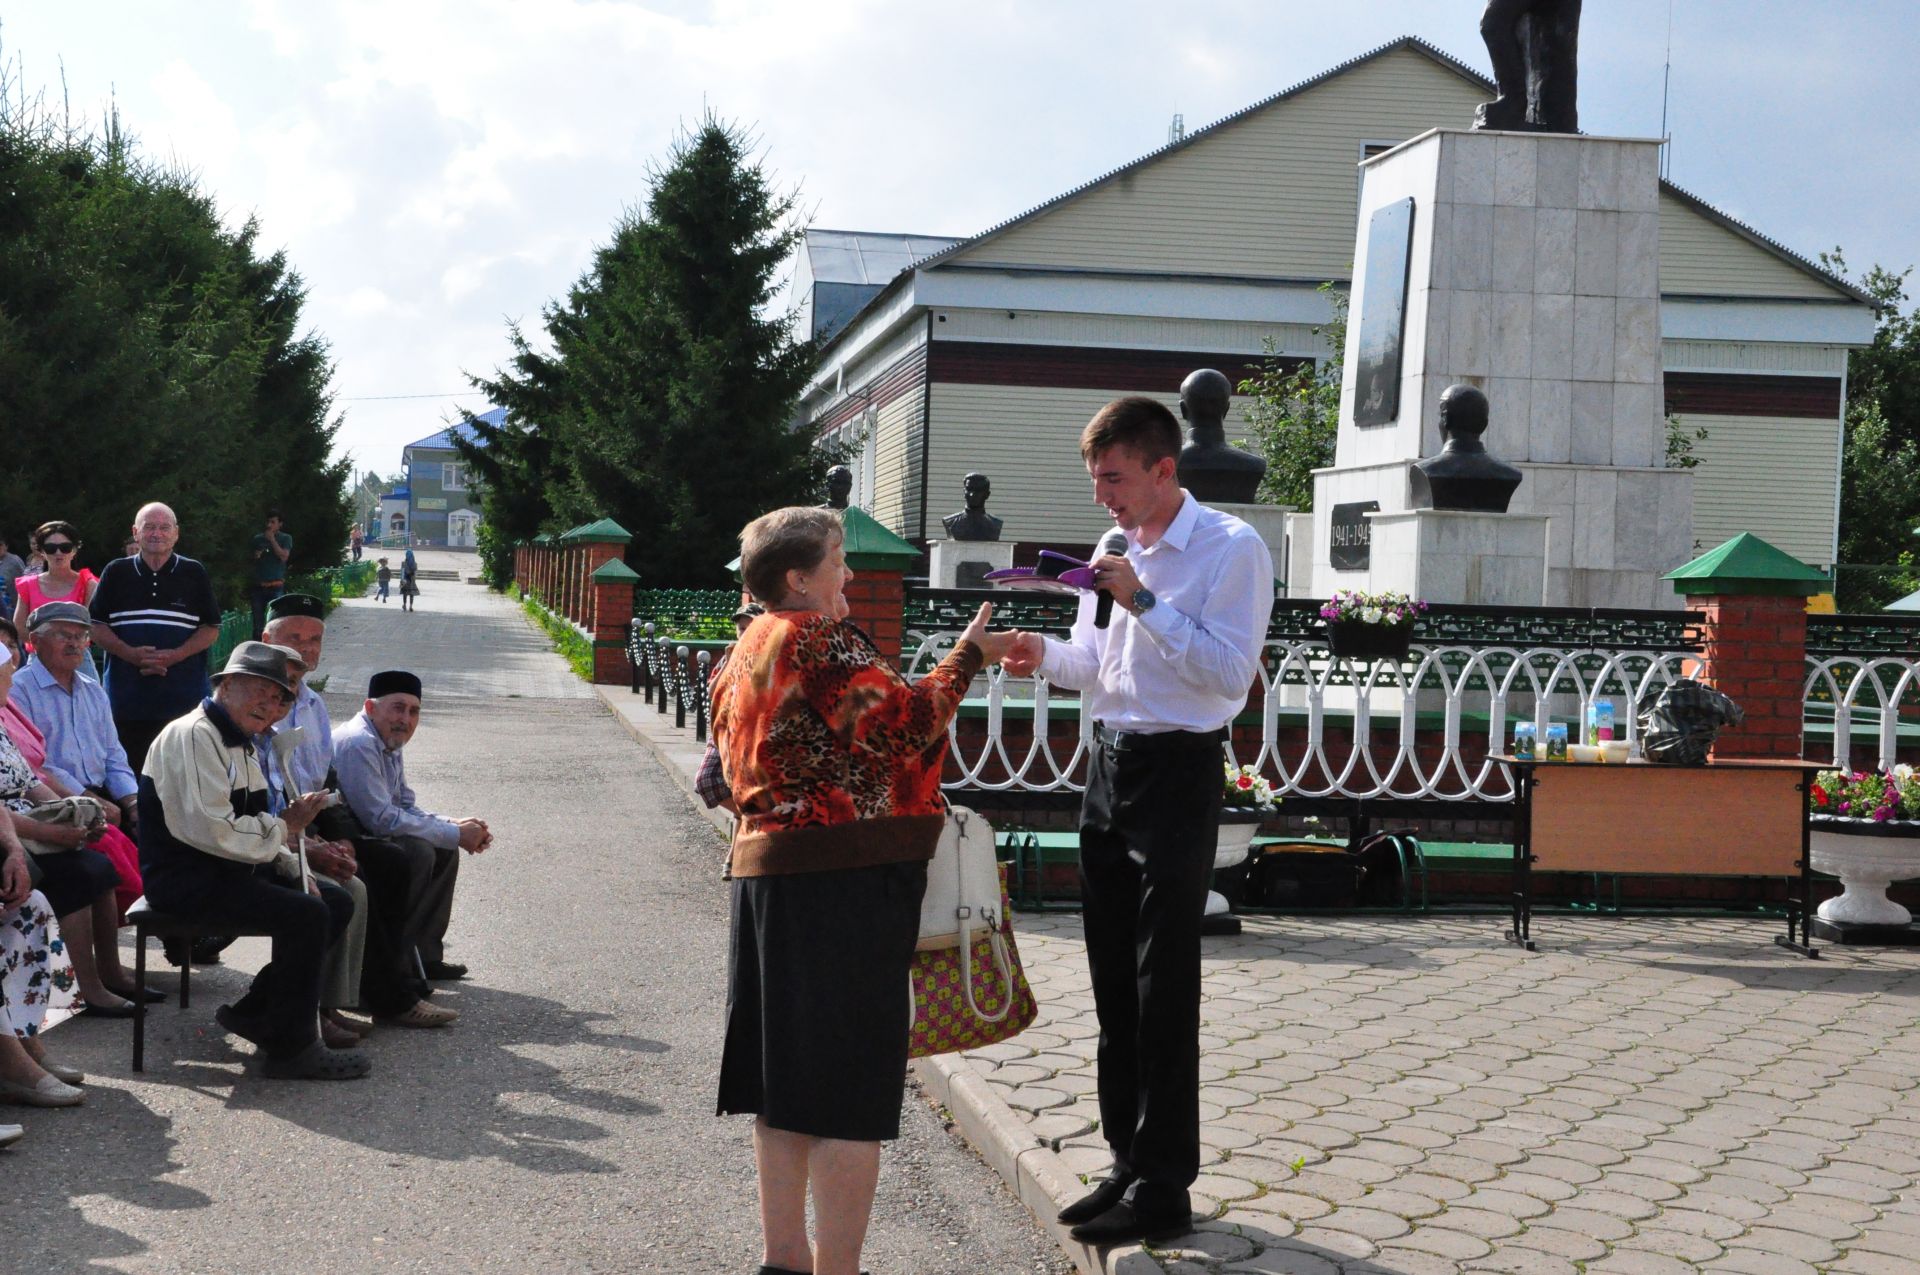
(28, 978)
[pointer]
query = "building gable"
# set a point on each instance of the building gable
(1271, 193)
(1705, 253)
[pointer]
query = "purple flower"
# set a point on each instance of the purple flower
(1883, 814)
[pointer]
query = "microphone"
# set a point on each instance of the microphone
(1114, 542)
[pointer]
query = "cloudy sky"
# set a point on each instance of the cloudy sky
(436, 169)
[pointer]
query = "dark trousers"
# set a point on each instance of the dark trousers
(1147, 831)
(261, 595)
(137, 737)
(398, 876)
(286, 992)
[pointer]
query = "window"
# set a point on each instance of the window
(453, 477)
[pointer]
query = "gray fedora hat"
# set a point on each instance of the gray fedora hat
(277, 664)
(58, 613)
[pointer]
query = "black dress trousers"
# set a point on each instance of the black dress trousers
(1148, 825)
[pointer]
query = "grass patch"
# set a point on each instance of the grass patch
(573, 645)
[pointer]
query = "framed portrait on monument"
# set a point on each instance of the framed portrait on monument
(1383, 315)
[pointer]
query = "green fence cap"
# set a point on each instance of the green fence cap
(1747, 564)
(612, 571)
(871, 546)
(604, 531)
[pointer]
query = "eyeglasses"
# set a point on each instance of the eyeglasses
(58, 546)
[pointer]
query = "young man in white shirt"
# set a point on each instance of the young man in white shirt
(1163, 679)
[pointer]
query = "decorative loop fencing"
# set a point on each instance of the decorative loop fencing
(1863, 679)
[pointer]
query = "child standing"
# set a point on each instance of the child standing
(385, 577)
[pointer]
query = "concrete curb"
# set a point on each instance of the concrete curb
(1033, 1170)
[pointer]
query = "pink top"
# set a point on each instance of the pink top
(26, 737)
(33, 590)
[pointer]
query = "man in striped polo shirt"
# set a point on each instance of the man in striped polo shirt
(155, 615)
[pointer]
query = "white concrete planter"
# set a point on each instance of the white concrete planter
(1867, 857)
(1238, 826)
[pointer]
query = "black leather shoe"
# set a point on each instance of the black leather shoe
(1098, 1200)
(445, 971)
(207, 951)
(245, 1026)
(1123, 1223)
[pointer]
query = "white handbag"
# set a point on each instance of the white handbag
(963, 899)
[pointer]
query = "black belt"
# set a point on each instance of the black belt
(1164, 741)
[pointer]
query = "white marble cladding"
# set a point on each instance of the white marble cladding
(1534, 276)
(1613, 531)
(1455, 556)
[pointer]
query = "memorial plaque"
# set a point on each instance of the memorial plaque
(1383, 314)
(1350, 540)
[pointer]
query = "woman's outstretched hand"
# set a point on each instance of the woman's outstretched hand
(993, 646)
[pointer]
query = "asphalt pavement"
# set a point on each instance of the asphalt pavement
(564, 1124)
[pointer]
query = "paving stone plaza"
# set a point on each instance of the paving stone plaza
(1413, 1095)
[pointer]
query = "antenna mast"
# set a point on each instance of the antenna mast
(1666, 82)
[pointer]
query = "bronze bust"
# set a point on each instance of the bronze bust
(974, 522)
(1208, 467)
(1464, 475)
(839, 487)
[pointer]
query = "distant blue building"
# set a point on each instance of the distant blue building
(442, 494)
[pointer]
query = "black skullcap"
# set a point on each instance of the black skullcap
(295, 604)
(393, 682)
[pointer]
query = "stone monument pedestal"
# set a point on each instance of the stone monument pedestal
(1527, 266)
(1454, 555)
(963, 564)
(1271, 522)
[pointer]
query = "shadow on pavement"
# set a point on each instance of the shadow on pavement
(419, 1102)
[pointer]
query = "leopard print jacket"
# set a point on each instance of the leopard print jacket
(815, 728)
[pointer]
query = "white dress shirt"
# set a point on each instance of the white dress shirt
(1189, 661)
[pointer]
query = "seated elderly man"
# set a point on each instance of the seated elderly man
(373, 781)
(373, 968)
(210, 850)
(59, 695)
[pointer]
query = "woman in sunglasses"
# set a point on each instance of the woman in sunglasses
(59, 544)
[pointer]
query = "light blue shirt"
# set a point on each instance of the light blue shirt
(373, 782)
(83, 749)
(312, 757)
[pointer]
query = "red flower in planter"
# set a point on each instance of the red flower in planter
(1820, 798)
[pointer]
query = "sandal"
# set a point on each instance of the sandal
(334, 1036)
(317, 1062)
(346, 1022)
(421, 1014)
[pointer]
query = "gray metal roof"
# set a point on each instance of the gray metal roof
(863, 256)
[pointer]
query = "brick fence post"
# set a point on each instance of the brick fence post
(613, 584)
(1754, 597)
(876, 598)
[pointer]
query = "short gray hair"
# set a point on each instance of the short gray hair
(797, 538)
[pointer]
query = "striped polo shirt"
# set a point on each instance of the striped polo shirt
(161, 609)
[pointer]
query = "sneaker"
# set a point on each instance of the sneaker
(10, 1134)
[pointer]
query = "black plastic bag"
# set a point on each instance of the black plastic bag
(1680, 726)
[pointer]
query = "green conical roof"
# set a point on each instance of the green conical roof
(871, 546)
(1748, 564)
(612, 571)
(605, 532)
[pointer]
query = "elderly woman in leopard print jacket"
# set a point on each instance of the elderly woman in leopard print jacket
(834, 760)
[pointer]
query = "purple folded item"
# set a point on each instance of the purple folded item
(1055, 573)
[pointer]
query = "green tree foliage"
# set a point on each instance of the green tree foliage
(1294, 411)
(149, 353)
(1880, 476)
(667, 401)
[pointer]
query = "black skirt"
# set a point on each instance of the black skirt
(818, 1002)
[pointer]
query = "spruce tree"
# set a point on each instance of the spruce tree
(668, 400)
